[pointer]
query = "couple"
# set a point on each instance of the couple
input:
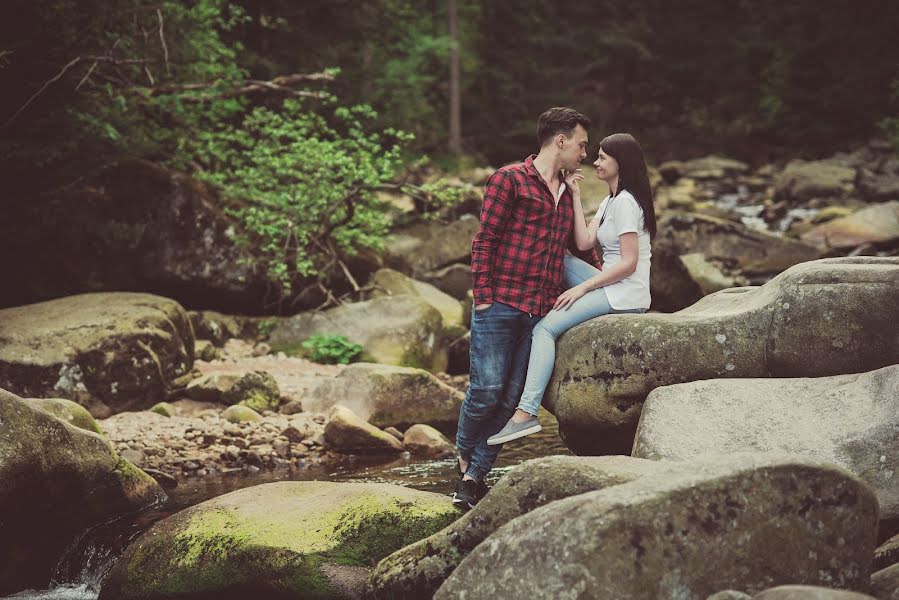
(520, 265)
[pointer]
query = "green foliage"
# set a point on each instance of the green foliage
(331, 349)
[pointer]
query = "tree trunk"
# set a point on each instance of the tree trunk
(455, 101)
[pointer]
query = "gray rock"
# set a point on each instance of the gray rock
(687, 533)
(887, 553)
(402, 330)
(808, 592)
(425, 441)
(418, 570)
(346, 432)
(212, 387)
(45, 464)
(729, 595)
(388, 282)
(429, 245)
(875, 224)
(826, 317)
(454, 279)
(70, 412)
(240, 414)
(802, 180)
(385, 395)
(885, 583)
(109, 352)
(878, 187)
(849, 420)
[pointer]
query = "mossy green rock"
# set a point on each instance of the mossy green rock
(386, 395)
(418, 570)
(257, 390)
(398, 330)
(241, 414)
(49, 469)
(163, 408)
(110, 352)
(388, 282)
(746, 522)
(68, 411)
(826, 317)
(275, 540)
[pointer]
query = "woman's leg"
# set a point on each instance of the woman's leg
(543, 346)
(577, 271)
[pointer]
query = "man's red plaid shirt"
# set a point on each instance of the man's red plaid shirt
(517, 255)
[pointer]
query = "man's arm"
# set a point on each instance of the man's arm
(499, 194)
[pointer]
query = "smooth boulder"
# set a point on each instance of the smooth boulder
(804, 180)
(398, 330)
(826, 317)
(430, 245)
(387, 282)
(418, 570)
(877, 224)
(348, 433)
(110, 352)
(49, 469)
(809, 592)
(885, 583)
(68, 411)
(426, 442)
(746, 522)
(278, 540)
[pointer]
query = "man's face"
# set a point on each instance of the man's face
(573, 150)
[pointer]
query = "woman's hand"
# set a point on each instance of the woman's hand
(569, 297)
(571, 180)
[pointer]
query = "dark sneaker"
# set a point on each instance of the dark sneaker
(513, 431)
(482, 490)
(466, 494)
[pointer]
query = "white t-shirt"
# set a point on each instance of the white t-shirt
(624, 215)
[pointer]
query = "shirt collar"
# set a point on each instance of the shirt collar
(532, 171)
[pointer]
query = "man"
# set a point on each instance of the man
(516, 263)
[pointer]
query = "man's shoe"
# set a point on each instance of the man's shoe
(513, 431)
(466, 494)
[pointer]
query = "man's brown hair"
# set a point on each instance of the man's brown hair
(558, 120)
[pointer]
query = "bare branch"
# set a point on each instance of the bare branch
(71, 64)
(165, 48)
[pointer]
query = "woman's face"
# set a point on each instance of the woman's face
(606, 166)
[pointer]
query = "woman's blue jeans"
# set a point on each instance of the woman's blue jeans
(543, 347)
(500, 345)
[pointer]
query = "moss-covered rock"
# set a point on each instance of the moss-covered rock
(826, 317)
(398, 330)
(70, 412)
(241, 414)
(347, 432)
(849, 420)
(386, 395)
(205, 350)
(388, 282)
(257, 389)
(49, 469)
(276, 540)
(218, 328)
(417, 571)
(746, 522)
(109, 352)
(163, 408)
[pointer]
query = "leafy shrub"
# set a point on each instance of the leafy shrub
(332, 349)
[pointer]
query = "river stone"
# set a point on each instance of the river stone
(875, 225)
(808, 592)
(346, 432)
(425, 441)
(205, 350)
(163, 408)
(729, 595)
(802, 180)
(430, 245)
(49, 469)
(849, 420)
(713, 167)
(885, 583)
(275, 540)
(402, 330)
(743, 521)
(887, 553)
(707, 276)
(212, 387)
(68, 411)
(385, 395)
(454, 279)
(257, 390)
(743, 250)
(241, 414)
(218, 328)
(110, 352)
(878, 187)
(826, 317)
(417, 571)
(388, 282)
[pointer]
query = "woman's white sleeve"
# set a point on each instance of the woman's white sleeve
(627, 216)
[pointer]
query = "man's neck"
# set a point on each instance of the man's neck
(548, 166)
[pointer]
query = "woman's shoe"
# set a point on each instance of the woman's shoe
(513, 431)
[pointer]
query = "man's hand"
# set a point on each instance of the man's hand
(483, 306)
(572, 181)
(567, 298)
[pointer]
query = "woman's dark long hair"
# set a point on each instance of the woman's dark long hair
(632, 173)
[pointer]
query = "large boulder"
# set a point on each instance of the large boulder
(454, 279)
(57, 480)
(108, 351)
(849, 420)
(396, 330)
(808, 592)
(348, 433)
(135, 226)
(877, 224)
(745, 522)
(732, 246)
(385, 395)
(803, 180)
(68, 411)
(288, 539)
(826, 317)
(885, 583)
(418, 570)
(388, 282)
(426, 442)
(708, 167)
(430, 245)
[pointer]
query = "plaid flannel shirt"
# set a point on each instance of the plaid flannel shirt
(517, 255)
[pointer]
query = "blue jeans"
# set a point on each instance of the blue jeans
(500, 345)
(543, 347)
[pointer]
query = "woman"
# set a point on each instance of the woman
(623, 225)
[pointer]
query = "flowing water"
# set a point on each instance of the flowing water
(80, 571)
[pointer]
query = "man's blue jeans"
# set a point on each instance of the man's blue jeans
(500, 346)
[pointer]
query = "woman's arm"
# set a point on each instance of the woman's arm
(582, 237)
(623, 268)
